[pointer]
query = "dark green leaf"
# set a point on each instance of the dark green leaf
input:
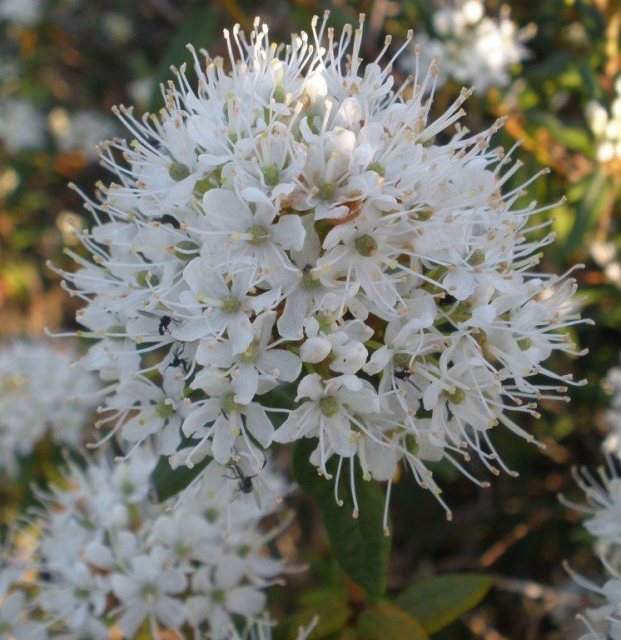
(330, 605)
(358, 544)
(588, 211)
(436, 602)
(198, 28)
(384, 621)
(573, 136)
(167, 482)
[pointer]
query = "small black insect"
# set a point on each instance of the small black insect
(165, 321)
(402, 374)
(177, 360)
(164, 324)
(244, 482)
(447, 299)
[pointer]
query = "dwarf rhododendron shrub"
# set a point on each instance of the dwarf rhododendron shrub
(293, 217)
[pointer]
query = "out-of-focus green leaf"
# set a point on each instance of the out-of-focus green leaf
(436, 602)
(588, 211)
(199, 27)
(571, 136)
(358, 544)
(330, 605)
(167, 482)
(384, 621)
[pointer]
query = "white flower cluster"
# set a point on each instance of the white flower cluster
(22, 125)
(606, 126)
(41, 394)
(475, 49)
(603, 509)
(80, 131)
(104, 555)
(297, 219)
(612, 385)
(22, 12)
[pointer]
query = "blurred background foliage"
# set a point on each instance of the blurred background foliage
(64, 63)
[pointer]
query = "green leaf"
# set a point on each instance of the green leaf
(198, 28)
(436, 602)
(330, 605)
(574, 137)
(167, 482)
(588, 212)
(358, 544)
(384, 621)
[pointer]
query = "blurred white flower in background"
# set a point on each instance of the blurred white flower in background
(41, 394)
(475, 49)
(105, 555)
(603, 511)
(23, 12)
(612, 385)
(80, 131)
(22, 125)
(606, 126)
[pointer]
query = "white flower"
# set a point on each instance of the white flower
(612, 385)
(342, 344)
(83, 131)
(14, 621)
(146, 589)
(223, 419)
(23, 12)
(327, 415)
(41, 393)
(142, 570)
(606, 126)
(22, 126)
(603, 622)
(475, 49)
(260, 360)
(301, 208)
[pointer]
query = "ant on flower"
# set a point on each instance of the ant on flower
(244, 482)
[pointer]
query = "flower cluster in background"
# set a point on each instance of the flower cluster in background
(612, 385)
(606, 126)
(102, 555)
(603, 510)
(473, 49)
(602, 520)
(42, 395)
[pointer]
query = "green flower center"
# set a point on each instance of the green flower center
(259, 234)
(309, 281)
(477, 258)
(229, 404)
(456, 397)
(271, 175)
(165, 409)
(525, 344)
(178, 171)
(250, 354)
(329, 406)
(325, 190)
(230, 304)
(365, 245)
(379, 168)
